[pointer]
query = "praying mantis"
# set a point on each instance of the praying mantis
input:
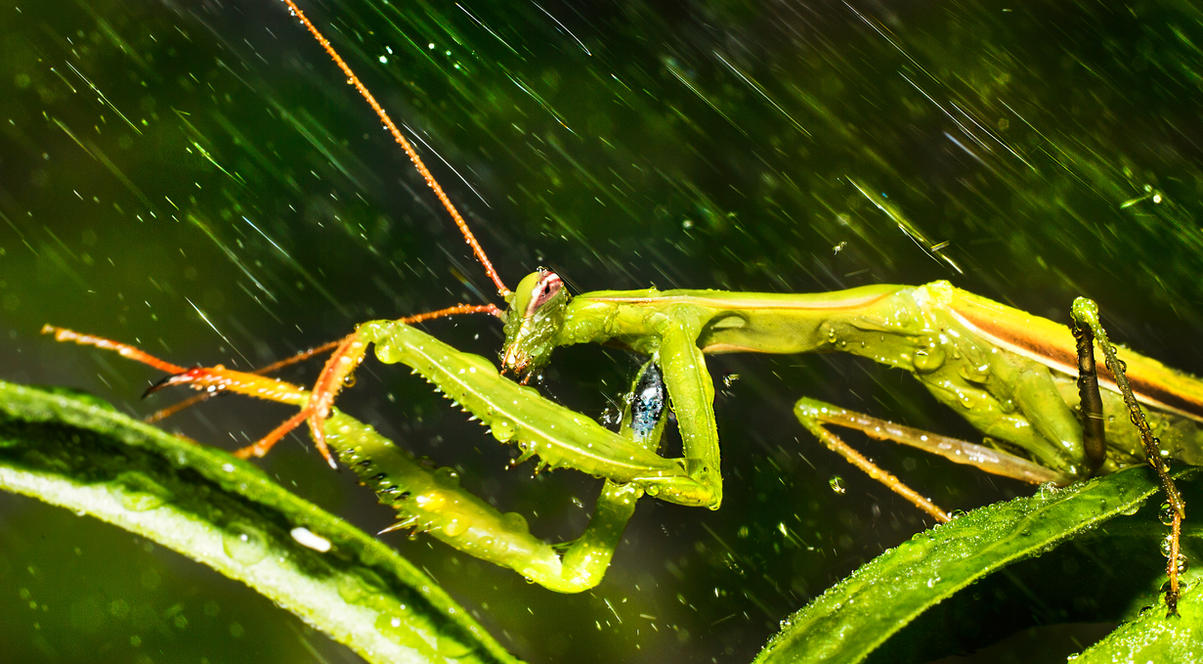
(1011, 375)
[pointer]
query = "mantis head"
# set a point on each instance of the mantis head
(532, 323)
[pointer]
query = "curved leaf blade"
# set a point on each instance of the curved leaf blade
(1153, 637)
(858, 614)
(79, 453)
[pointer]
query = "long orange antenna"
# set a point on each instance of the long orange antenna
(434, 185)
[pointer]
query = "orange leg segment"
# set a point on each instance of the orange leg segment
(164, 413)
(210, 380)
(347, 357)
(315, 404)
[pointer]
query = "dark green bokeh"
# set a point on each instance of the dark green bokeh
(197, 178)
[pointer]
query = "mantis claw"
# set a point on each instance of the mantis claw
(163, 382)
(201, 379)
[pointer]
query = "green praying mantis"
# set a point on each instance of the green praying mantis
(1013, 376)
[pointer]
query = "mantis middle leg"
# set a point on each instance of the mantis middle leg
(433, 503)
(816, 415)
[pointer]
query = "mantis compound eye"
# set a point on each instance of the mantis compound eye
(547, 287)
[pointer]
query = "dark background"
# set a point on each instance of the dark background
(196, 177)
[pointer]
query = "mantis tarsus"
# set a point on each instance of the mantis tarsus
(1015, 388)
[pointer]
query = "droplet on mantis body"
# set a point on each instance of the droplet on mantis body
(388, 352)
(455, 528)
(400, 631)
(928, 359)
(360, 583)
(504, 430)
(446, 476)
(514, 522)
(140, 493)
(976, 373)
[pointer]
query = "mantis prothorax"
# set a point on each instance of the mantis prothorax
(1013, 376)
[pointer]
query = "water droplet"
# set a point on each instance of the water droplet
(837, 484)
(455, 528)
(1165, 514)
(244, 543)
(400, 631)
(446, 476)
(503, 430)
(514, 522)
(352, 588)
(452, 648)
(388, 352)
(1167, 544)
(928, 359)
(975, 373)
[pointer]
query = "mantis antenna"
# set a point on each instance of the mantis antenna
(219, 379)
(431, 182)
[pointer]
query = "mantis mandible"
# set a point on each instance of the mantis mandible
(1011, 375)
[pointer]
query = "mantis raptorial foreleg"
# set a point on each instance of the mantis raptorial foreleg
(515, 413)
(691, 390)
(1088, 330)
(433, 503)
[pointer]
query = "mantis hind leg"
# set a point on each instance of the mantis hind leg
(815, 415)
(1088, 331)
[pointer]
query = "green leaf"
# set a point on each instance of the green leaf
(1153, 637)
(858, 614)
(77, 452)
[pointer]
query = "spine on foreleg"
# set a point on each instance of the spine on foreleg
(516, 413)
